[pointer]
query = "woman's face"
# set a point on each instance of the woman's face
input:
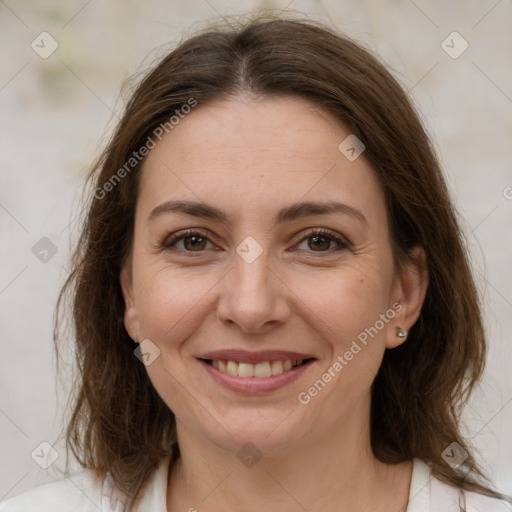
(288, 249)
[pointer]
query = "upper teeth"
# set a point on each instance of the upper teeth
(264, 369)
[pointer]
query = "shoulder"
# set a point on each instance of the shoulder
(80, 493)
(429, 494)
(446, 497)
(85, 492)
(479, 503)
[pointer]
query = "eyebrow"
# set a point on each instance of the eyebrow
(286, 214)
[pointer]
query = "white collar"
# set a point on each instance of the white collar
(154, 494)
(419, 490)
(428, 493)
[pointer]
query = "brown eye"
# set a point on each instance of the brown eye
(194, 243)
(319, 243)
(322, 241)
(189, 241)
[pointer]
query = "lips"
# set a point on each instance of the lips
(255, 373)
(255, 385)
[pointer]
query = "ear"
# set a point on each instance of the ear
(130, 312)
(409, 291)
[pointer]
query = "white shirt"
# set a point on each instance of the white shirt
(83, 492)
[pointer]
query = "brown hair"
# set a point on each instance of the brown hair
(118, 422)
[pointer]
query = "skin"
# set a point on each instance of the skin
(251, 157)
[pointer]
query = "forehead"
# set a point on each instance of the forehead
(257, 153)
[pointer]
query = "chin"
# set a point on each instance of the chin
(270, 437)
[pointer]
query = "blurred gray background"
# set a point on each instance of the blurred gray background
(58, 104)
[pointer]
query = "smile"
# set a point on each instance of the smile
(264, 369)
(258, 378)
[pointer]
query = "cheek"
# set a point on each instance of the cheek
(343, 303)
(171, 307)
(170, 302)
(345, 309)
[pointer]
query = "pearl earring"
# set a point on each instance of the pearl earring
(401, 333)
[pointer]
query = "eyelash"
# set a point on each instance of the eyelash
(169, 242)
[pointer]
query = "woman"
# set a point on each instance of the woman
(272, 300)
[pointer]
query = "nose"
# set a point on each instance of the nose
(254, 297)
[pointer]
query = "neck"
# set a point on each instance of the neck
(333, 471)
